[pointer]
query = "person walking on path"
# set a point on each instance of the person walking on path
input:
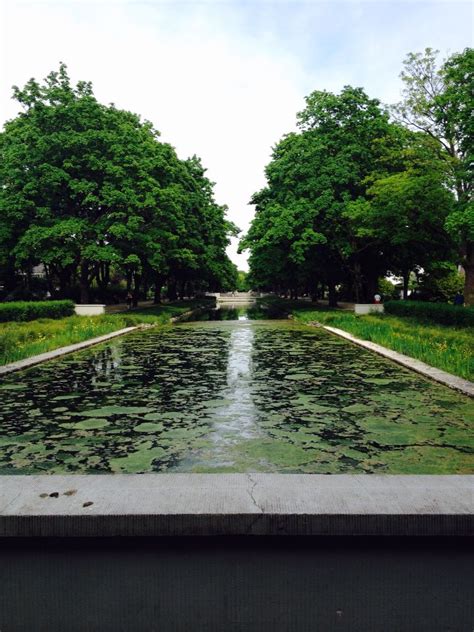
(129, 300)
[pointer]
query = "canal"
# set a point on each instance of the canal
(231, 392)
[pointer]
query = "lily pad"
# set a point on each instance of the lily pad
(148, 427)
(139, 461)
(90, 424)
(357, 408)
(109, 411)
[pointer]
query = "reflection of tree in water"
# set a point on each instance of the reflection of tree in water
(251, 311)
(243, 396)
(346, 410)
(127, 397)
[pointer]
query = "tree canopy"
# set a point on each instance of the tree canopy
(90, 191)
(354, 194)
(439, 101)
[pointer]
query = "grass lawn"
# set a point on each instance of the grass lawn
(19, 340)
(448, 348)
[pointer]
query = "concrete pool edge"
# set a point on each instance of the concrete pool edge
(61, 351)
(26, 363)
(443, 377)
(236, 504)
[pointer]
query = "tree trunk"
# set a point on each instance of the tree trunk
(372, 283)
(159, 280)
(469, 279)
(137, 279)
(10, 275)
(332, 294)
(172, 295)
(49, 281)
(103, 276)
(406, 279)
(129, 281)
(28, 277)
(84, 282)
(357, 282)
(64, 278)
(181, 289)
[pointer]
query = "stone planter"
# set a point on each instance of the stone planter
(89, 310)
(368, 308)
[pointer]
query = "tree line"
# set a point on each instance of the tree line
(90, 193)
(361, 190)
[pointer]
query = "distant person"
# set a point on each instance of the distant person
(129, 300)
(459, 299)
(377, 298)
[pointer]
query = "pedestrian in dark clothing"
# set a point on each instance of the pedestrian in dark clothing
(459, 299)
(129, 300)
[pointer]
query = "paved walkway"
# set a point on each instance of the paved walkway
(123, 307)
(340, 305)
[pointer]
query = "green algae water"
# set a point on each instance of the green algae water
(231, 396)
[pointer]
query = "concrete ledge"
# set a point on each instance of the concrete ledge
(83, 309)
(189, 314)
(57, 353)
(458, 383)
(236, 504)
(368, 308)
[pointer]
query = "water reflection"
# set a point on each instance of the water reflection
(238, 418)
(242, 311)
(231, 395)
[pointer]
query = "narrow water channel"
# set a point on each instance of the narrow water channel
(232, 392)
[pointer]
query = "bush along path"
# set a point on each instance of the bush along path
(446, 347)
(32, 310)
(20, 340)
(437, 313)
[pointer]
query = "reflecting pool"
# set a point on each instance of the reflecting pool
(231, 396)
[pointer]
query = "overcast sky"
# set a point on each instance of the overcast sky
(223, 79)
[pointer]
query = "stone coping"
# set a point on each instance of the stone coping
(57, 353)
(236, 504)
(458, 383)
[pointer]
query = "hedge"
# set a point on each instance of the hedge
(441, 313)
(31, 310)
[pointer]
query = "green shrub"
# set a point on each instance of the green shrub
(31, 310)
(441, 283)
(432, 312)
(388, 290)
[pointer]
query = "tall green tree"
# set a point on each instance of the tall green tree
(313, 178)
(406, 207)
(349, 198)
(439, 100)
(87, 188)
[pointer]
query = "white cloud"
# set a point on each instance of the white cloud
(221, 79)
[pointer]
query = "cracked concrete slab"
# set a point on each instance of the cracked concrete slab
(235, 504)
(251, 492)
